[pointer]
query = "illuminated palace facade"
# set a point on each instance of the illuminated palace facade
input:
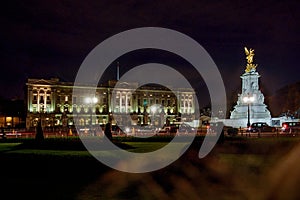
(53, 101)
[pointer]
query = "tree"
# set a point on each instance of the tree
(39, 134)
(107, 131)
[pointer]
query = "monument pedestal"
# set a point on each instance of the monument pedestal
(250, 88)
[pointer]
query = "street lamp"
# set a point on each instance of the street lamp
(248, 100)
(156, 109)
(90, 102)
(153, 110)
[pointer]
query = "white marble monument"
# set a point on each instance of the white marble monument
(251, 95)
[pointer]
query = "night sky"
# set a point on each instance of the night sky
(44, 39)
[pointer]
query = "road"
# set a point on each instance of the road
(26, 134)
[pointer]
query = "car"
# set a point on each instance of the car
(261, 127)
(213, 127)
(290, 127)
(177, 127)
(135, 130)
(168, 129)
(185, 128)
(146, 130)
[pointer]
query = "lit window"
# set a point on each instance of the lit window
(66, 98)
(123, 100)
(151, 101)
(128, 101)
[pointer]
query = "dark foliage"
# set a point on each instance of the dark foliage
(232, 131)
(39, 133)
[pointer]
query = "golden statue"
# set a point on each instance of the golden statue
(249, 56)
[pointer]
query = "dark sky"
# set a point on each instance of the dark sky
(43, 39)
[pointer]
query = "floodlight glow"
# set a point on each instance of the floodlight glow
(95, 100)
(153, 109)
(249, 99)
(88, 100)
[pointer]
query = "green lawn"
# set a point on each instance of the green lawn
(41, 152)
(136, 147)
(237, 169)
(15, 148)
(141, 147)
(7, 146)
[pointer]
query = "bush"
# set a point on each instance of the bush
(232, 131)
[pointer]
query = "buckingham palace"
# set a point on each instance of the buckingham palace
(54, 103)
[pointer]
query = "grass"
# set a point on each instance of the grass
(143, 147)
(18, 148)
(42, 152)
(7, 146)
(240, 168)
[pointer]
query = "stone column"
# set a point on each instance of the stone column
(120, 102)
(38, 101)
(45, 100)
(126, 102)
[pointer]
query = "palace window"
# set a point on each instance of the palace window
(128, 101)
(123, 100)
(151, 101)
(41, 98)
